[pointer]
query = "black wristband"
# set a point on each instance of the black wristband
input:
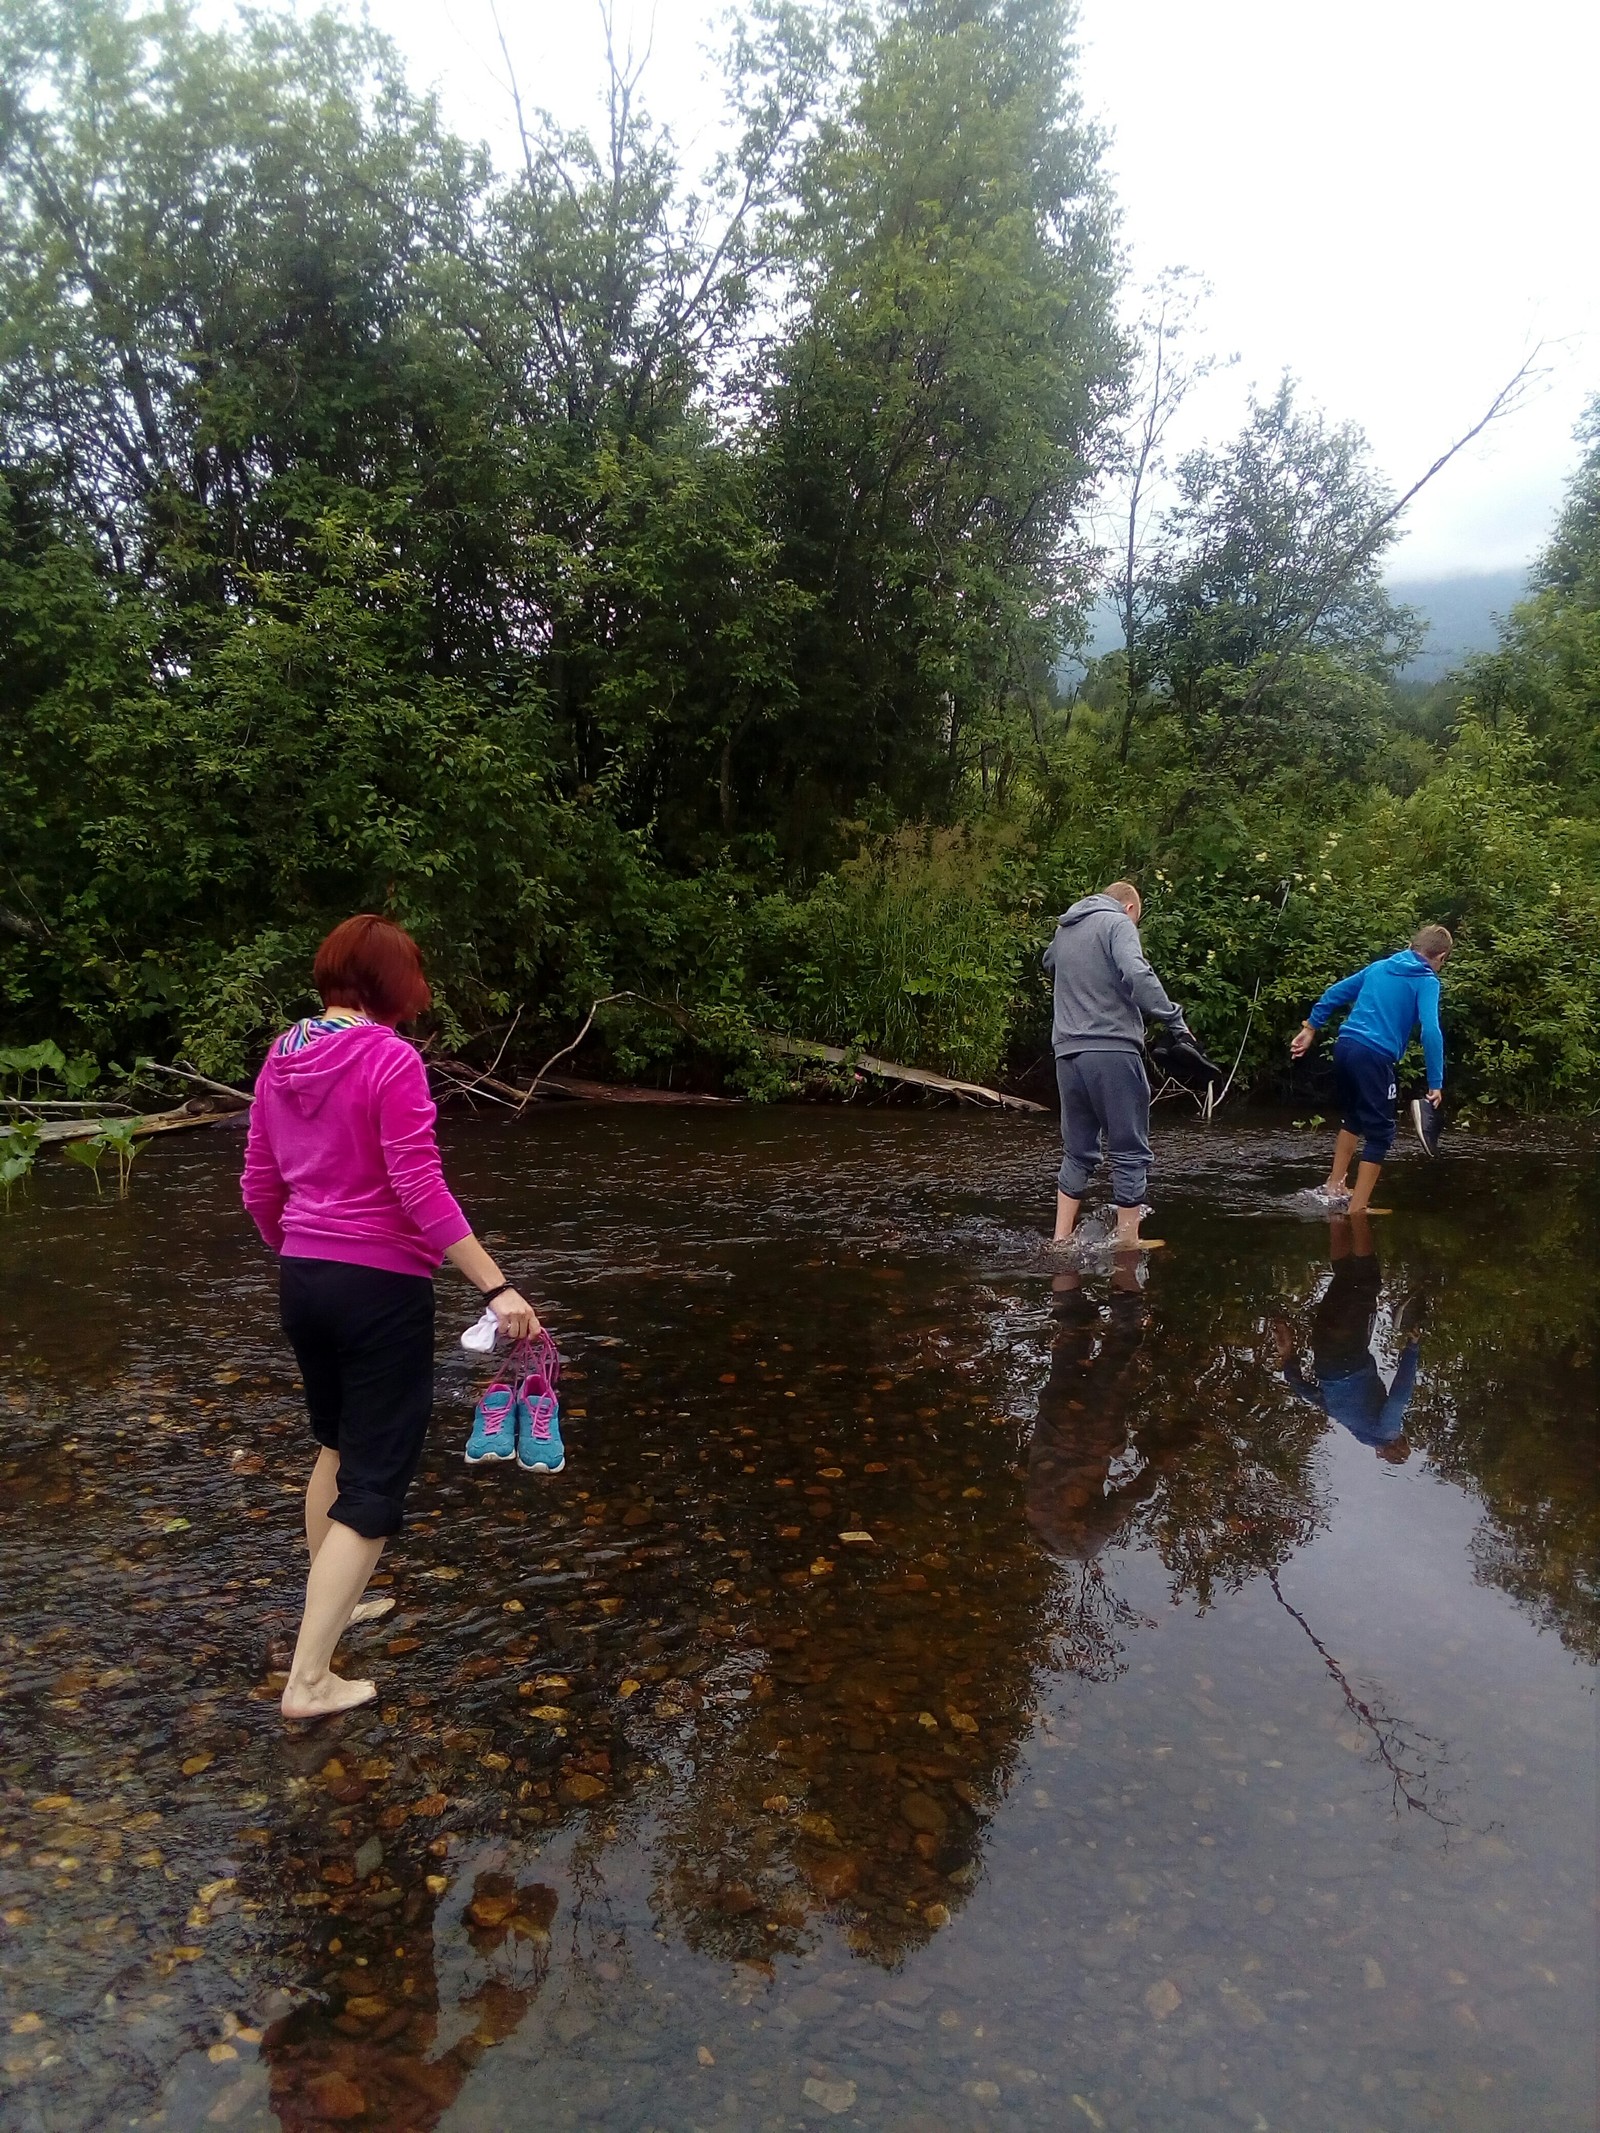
(504, 1289)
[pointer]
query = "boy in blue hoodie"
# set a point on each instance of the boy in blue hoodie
(1386, 1002)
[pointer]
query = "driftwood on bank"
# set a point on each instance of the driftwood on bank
(201, 1081)
(887, 1070)
(83, 1129)
(470, 1083)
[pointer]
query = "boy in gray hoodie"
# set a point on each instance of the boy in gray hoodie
(1104, 989)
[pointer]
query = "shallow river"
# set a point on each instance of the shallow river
(1168, 1757)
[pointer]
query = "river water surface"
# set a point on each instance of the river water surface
(1167, 1755)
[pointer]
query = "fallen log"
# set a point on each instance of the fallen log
(611, 1092)
(43, 1104)
(467, 1079)
(202, 1081)
(889, 1070)
(151, 1122)
(563, 1086)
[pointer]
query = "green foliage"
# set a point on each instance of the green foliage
(1271, 634)
(1546, 672)
(18, 1061)
(117, 1136)
(580, 562)
(19, 1151)
(914, 951)
(88, 1154)
(114, 1136)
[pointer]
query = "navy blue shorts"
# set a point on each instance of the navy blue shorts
(1363, 1080)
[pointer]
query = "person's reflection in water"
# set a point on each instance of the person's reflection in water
(1347, 1384)
(1086, 1413)
(377, 2058)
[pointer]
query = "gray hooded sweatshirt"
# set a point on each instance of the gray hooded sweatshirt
(1104, 987)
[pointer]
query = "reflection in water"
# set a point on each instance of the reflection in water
(1348, 1386)
(1086, 1474)
(380, 2057)
(1087, 1412)
(1412, 1757)
(1072, 1779)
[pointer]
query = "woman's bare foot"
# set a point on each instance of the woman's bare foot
(373, 1610)
(320, 1699)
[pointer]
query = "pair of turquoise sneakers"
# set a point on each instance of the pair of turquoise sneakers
(522, 1420)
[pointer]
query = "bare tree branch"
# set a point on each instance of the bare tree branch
(1505, 402)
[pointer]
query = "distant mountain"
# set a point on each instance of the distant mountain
(1461, 613)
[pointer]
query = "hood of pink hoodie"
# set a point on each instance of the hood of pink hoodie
(308, 1076)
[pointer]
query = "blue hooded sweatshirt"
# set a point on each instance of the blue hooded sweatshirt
(1359, 1401)
(1387, 1001)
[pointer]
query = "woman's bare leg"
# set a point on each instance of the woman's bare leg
(321, 1489)
(339, 1573)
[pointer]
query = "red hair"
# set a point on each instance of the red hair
(371, 963)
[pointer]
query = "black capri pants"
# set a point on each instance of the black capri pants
(363, 1338)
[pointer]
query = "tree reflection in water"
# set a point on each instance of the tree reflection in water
(674, 1668)
(1164, 1435)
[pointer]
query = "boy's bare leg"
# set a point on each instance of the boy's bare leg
(1128, 1220)
(1066, 1216)
(1366, 1184)
(1344, 1149)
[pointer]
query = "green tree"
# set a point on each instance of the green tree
(1546, 671)
(208, 277)
(1273, 637)
(935, 414)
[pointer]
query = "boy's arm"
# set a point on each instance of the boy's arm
(1344, 994)
(1405, 1383)
(1432, 1034)
(1301, 1386)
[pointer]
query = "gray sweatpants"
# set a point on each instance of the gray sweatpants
(1104, 1093)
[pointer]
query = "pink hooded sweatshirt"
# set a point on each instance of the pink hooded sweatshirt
(341, 1160)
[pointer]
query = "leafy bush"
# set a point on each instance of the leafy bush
(913, 950)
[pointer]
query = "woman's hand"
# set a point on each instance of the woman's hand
(519, 1321)
(516, 1315)
(1302, 1041)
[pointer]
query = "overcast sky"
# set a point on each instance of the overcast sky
(1393, 199)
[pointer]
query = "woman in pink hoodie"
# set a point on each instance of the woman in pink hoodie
(342, 1178)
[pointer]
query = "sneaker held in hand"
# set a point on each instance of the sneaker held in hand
(494, 1426)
